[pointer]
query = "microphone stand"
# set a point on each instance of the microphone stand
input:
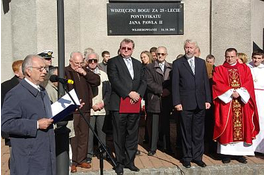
(102, 148)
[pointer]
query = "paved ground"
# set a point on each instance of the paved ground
(163, 163)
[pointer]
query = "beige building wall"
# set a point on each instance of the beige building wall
(30, 26)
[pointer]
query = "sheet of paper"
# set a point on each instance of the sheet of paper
(64, 106)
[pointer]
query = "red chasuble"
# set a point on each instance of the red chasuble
(234, 121)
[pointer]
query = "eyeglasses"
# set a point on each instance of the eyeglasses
(41, 69)
(124, 48)
(163, 54)
(48, 59)
(92, 60)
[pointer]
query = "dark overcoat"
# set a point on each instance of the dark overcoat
(33, 150)
(157, 81)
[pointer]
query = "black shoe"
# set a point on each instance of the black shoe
(241, 159)
(186, 164)
(89, 160)
(132, 167)
(200, 163)
(138, 152)
(151, 153)
(119, 169)
(226, 160)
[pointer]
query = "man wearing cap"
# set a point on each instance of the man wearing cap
(47, 55)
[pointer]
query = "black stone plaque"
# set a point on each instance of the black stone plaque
(145, 18)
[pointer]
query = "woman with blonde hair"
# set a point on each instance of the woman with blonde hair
(242, 58)
(146, 57)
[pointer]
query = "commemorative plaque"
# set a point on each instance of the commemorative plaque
(145, 18)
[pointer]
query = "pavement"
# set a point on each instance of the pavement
(164, 164)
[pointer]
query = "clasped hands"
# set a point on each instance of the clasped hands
(98, 106)
(134, 97)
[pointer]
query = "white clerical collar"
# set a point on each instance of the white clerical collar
(234, 64)
(32, 84)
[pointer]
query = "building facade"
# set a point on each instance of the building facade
(30, 26)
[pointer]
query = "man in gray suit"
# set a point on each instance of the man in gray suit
(26, 118)
(191, 96)
(126, 77)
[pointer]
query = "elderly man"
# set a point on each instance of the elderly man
(99, 103)
(191, 97)
(236, 117)
(84, 80)
(26, 118)
(159, 100)
(127, 81)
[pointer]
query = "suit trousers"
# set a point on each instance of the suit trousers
(125, 136)
(98, 121)
(192, 132)
(79, 142)
(153, 123)
(164, 124)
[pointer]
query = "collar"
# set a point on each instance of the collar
(190, 58)
(34, 85)
(251, 64)
(96, 70)
(231, 66)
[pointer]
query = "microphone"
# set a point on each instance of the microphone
(55, 78)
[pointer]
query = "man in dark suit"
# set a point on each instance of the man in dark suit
(26, 118)
(191, 96)
(126, 77)
(8, 85)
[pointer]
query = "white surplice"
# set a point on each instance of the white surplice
(258, 74)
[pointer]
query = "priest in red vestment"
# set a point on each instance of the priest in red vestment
(236, 117)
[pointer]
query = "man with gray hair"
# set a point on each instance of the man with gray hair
(99, 103)
(26, 117)
(191, 97)
(84, 81)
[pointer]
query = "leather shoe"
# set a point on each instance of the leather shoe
(186, 164)
(73, 169)
(132, 167)
(241, 159)
(151, 153)
(119, 169)
(226, 160)
(84, 165)
(200, 163)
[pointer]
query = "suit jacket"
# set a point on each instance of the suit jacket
(83, 86)
(7, 86)
(157, 81)
(33, 150)
(189, 90)
(122, 83)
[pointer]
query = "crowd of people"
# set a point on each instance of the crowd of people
(211, 103)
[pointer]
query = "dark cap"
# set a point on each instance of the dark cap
(46, 54)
